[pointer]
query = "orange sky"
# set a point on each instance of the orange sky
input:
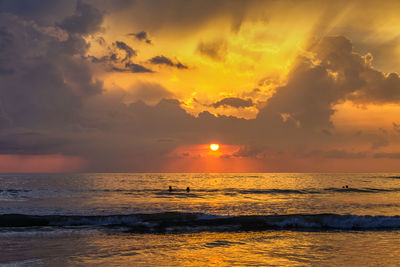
(147, 85)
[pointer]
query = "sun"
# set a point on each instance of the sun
(214, 147)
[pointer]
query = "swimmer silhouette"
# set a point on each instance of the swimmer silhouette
(188, 189)
(170, 189)
(347, 186)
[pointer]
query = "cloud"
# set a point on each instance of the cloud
(6, 71)
(113, 61)
(130, 52)
(114, 6)
(28, 142)
(251, 151)
(51, 102)
(141, 36)
(162, 60)
(337, 154)
(333, 74)
(5, 38)
(50, 78)
(233, 102)
(104, 59)
(150, 93)
(378, 141)
(133, 68)
(396, 127)
(43, 12)
(85, 20)
(389, 155)
(356, 74)
(180, 15)
(216, 49)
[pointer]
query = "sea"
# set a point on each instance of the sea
(229, 219)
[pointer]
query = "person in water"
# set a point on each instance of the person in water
(188, 189)
(170, 189)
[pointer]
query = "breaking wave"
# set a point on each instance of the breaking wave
(195, 222)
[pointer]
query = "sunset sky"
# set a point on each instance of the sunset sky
(148, 85)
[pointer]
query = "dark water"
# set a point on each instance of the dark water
(225, 219)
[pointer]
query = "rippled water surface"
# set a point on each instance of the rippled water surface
(224, 220)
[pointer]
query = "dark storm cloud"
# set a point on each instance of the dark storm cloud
(340, 74)
(233, 102)
(6, 71)
(130, 52)
(356, 74)
(141, 36)
(85, 20)
(50, 78)
(306, 98)
(163, 60)
(5, 38)
(113, 5)
(19, 142)
(43, 12)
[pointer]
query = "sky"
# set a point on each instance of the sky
(147, 85)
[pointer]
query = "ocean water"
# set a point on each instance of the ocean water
(263, 219)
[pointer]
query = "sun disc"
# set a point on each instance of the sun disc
(214, 147)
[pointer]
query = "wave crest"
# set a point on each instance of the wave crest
(194, 222)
